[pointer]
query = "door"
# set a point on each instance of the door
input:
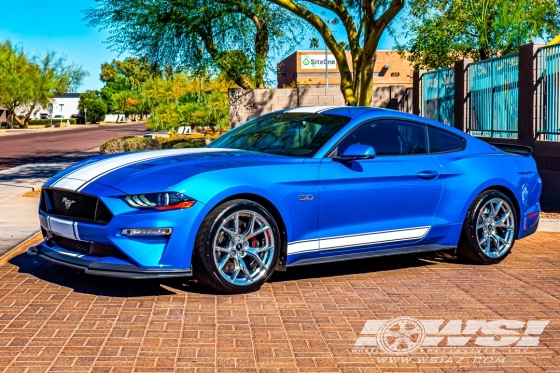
(391, 198)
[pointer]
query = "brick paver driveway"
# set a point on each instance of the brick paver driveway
(56, 319)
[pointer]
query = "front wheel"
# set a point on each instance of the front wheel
(489, 229)
(236, 247)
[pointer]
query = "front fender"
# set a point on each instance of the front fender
(281, 185)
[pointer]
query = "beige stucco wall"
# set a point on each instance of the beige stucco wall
(247, 104)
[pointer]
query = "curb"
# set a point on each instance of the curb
(21, 131)
(22, 247)
(549, 225)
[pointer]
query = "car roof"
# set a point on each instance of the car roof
(350, 111)
(345, 111)
(367, 112)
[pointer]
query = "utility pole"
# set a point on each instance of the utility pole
(51, 110)
(61, 105)
(326, 65)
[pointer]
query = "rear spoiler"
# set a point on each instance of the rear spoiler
(511, 148)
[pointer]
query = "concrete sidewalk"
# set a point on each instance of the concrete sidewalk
(18, 215)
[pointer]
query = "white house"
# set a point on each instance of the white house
(65, 105)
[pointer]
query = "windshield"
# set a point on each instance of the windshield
(293, 134)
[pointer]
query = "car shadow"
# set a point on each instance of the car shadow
(39, 167)
(125, 288)
(88, 284)
(361, 266)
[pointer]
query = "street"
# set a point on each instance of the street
(16, 150)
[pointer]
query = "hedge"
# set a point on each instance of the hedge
(131, 144)
(37, 122)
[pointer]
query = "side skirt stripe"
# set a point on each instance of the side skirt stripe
(357, 240)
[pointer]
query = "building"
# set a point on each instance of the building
(308, 68)
(65, 105)
(3, 115)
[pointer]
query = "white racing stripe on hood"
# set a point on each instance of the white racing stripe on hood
(80, 178)
(310, 109)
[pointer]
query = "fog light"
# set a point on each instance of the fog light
(146, 231)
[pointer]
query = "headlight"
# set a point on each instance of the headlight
(160, 201)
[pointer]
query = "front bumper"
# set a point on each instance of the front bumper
(120, 255)
(92, 266)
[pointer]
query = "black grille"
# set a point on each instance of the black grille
(80, 206)
(92, 249)
(72, 245)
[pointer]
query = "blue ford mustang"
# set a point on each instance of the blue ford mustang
(294, 187)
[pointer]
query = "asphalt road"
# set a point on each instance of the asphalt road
(36, 147)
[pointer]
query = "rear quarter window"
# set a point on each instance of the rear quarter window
(442, 141)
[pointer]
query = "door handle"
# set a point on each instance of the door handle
(428, 174)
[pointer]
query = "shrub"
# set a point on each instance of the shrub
(47, 122)
(192, 144)
(131, 144)
(96, 110)
(193, 109)
(95, 105)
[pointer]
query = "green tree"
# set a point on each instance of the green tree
(440, 32)
(94, 104)
(124, 85)
(364, 23)
(130, 73)
(234, 36)
(50, 76)
(32, 82)
(182, 100)
(314, 43)
(15, 86)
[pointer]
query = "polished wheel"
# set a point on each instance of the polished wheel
(244, 247)
(490, 228)
(237, 247)
(495, 227)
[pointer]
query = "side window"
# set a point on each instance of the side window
(442, 141)
(388, 137)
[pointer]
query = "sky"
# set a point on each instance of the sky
(39, 27)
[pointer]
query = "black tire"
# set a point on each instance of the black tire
(469, 247)
(205, 267)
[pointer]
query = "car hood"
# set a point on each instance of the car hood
(156, 171)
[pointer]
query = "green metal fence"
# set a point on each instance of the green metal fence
(548, 97)
(493, 94)
(438, 95)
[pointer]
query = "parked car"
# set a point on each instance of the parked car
(79, 118)
(58, 116)
(300, 186)
(43, 115)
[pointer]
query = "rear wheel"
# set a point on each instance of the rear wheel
(489, 229)
(236, 247)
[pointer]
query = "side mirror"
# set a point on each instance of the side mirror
(356, 151)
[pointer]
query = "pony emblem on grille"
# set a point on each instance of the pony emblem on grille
(68, 202)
